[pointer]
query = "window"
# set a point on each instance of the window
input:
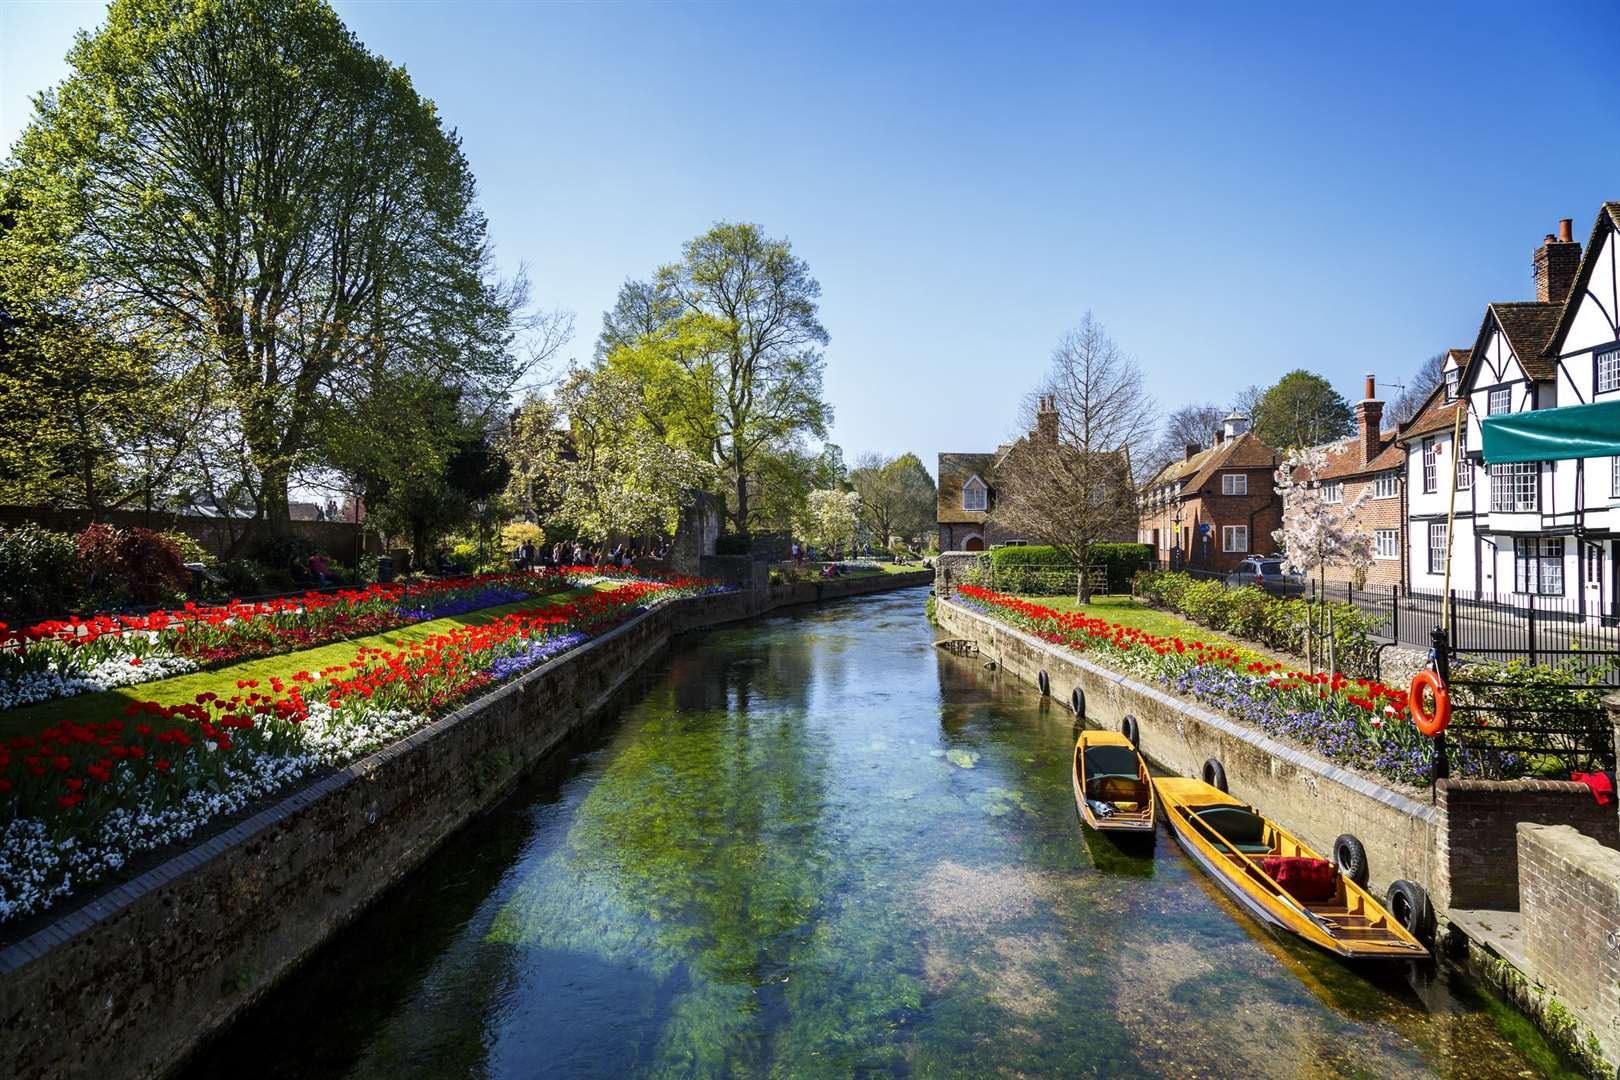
(1437, 547)
(1431, 476)
(1514, 487)
(974, 494)
(1234, 483)
(1333, 491)
(1608, 371)
(1387, 485)
(1465, 469)
(1499, 401)
(1452, 378)
(1614, 476)
(1594, 564)
(1538, 565)
(1388, 543)
(1235, 538)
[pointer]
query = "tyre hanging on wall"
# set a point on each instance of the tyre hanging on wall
(1409, 903)
(1351, 858)
(1044, 683)
(1077, 702)
(1215, 774)
(1129, 728)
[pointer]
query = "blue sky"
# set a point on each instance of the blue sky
(1233, 192)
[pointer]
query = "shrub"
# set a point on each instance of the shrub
(191, 549)
(40, 576)
(517, 533)
(283, 552)
(1037, 568)
(130, 566)
(1122, 561)
(242, 577)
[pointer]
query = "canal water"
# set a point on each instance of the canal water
(815, 845)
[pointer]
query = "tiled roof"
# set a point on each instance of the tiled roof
(1608, 218)
(1437, 415)
(1344, 456)
(1528, 327)
(954, 471)
(1244, 452)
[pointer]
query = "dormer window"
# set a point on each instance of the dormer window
(975, 496)
(1452, 378)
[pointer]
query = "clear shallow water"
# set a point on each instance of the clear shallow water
(817, 846)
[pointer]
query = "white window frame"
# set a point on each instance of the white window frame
(1464, 467)
(1229, 538)
(1594, 564)
(1333, 491)
(1516, 488)
(1506, 399)
(1387, 485)
(1538, 565)
(1437, 547)
(1453, 381)
(1387, 543)
(1431, 470)
(1234, 483)
(975, 486)
(1614, 477)
(1608, 371)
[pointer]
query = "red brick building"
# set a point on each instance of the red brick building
(1215, 507)
(1371, 463)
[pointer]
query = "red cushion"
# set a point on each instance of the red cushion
(1307, 880)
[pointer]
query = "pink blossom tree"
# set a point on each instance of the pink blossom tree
(1316, 532)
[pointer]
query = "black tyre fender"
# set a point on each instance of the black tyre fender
(1132, 731)
(1409, 903)
(1077, 702)
(1351, 858)
(1215, 774)
(1044, 683)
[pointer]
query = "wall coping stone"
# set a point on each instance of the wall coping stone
(1300, 758)
(1472, 784)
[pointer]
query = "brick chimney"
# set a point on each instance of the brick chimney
(1556, 261)
(1046, 420)
(1369, 415)
(1192, 448)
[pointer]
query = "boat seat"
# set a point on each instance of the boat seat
(1107, 760)
(1242, 828)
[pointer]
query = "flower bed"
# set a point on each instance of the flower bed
(1359, 723)
(65, 657)
(78, 800)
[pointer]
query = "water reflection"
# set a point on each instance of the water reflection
(815, 845)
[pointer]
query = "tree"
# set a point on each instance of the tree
(1069, 484)
(427, 497)
(726, 347)
(589, 453)
(1410, 401)
(1191, 425)
(1303, 409)
(1246, 402)
(830, 519)
(1314, 531)
(897, 496)
(243, 184)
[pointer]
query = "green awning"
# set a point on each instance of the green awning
(1577, 431)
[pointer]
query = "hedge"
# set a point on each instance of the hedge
(1041, 569)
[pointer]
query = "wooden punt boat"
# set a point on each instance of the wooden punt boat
(1235, 845)
(1112, 788)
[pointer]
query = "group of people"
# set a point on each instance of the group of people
(577, 553)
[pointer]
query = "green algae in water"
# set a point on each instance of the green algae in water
(817, 847)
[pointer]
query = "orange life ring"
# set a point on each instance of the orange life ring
(1430, 724)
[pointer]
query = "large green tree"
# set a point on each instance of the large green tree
(1302, 409)
(897, 496)
(726, 346)
(247, 188)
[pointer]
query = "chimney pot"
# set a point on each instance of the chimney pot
(1371, 388)
(1551, 239)
(1566, 230)
(1555, 264)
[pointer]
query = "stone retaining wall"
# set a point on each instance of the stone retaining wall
(1569, 899)
(1479, 847)
(129, 983)
(1315, 799)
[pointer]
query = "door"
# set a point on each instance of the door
(974, 543)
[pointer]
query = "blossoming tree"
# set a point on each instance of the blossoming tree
(830, 518)
(1315, 532)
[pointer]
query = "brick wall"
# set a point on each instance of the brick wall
(219, 537)
(1260, 511)
(1375, 514)
(1479, 848)
(1569, 897)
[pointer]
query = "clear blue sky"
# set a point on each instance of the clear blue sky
(1233, 192)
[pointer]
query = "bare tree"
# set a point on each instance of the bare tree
(1191, 425)
(1246, 402)
(1417, 389)
(1068, 483)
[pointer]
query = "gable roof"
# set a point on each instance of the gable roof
(954, 471)
(1608, 218)
(1437, 414)
(1527, 325)
(1246, 451)
(1344, 456)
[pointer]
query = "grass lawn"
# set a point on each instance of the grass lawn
(1128, 611)
(110, 704)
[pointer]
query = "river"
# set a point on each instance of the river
(814, 845)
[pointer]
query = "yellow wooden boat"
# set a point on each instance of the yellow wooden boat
(1112, 788)
(1231, 841)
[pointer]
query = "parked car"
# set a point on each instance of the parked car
(1268, 574)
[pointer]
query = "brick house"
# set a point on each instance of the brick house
(1371, 462)
(1215, 507)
